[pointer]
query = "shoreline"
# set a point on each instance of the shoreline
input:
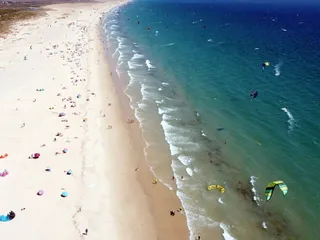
(106, 193)
(161, 198)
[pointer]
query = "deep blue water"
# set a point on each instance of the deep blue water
(190, 69)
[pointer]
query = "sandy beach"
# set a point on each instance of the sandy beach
(58, 100)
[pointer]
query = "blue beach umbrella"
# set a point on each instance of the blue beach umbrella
(6, 218)
(64, 194)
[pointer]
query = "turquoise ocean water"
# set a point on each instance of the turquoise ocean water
(189, 70)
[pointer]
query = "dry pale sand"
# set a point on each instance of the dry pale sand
(62, 54)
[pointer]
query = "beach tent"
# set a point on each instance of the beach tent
(35, 155)
(6, 218)
(4, 155)
(40, 192)
(64, 194)
(4, 173)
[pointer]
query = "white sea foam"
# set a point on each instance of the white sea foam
(200, 20)
(137, 56)
(185, 160)
(174, 150)
(159, 102)
(113, 33)
(195, 214)
(226, 232)
(178, 139)
(118, 72)
(160, 89)
(277, 69)
(122, 63)
(165, 84)
(166, 117)
(220, 200)
(264, 225)
(146, 93)
(113, 27)
(134, 62)
(115, 52)
(167, 45)
(253, 181)
(132, 65)
(112, 21)
(163, 110)
(291, 120)
(189, 171)
(316, 143)
(134, 78)
(203, 134)
(149, 65)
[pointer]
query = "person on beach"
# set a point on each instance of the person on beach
(86, 231)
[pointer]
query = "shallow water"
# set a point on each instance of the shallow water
(190, 69)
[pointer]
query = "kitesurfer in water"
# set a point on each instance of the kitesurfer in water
(265, 64)
(253, 94)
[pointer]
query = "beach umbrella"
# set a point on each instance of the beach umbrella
(64, 194)
(8, 217)
(62, 114)
(40, 192)
(4, 173)
(4, 155)
(35, 155)
(69, 172)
